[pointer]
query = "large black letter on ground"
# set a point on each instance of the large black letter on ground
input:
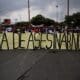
(4, 39)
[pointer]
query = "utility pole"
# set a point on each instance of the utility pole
(0, 20)
(67, 7)
(29, 11)
(67, 46)
(57, 13)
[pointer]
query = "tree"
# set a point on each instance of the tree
(38, 20)
(76, 19)
(49, 22)
(73, 20)
(69, 20)
(22, 24)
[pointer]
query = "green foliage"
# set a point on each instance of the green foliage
(21, 24)
(39, 19)
(73, 20)
(48, 22)
(76, 19)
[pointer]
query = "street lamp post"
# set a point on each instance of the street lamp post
(68, 7)
(66, 28)
(28, 11)
(57, 13)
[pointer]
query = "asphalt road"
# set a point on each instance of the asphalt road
(14, 63)
(39, 65)
(57, 65)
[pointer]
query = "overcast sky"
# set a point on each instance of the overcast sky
(17, 9)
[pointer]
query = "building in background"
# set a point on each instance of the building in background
(7, 21)
(6, 25)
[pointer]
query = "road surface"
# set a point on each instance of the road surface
(56, 66)
(39, 65)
